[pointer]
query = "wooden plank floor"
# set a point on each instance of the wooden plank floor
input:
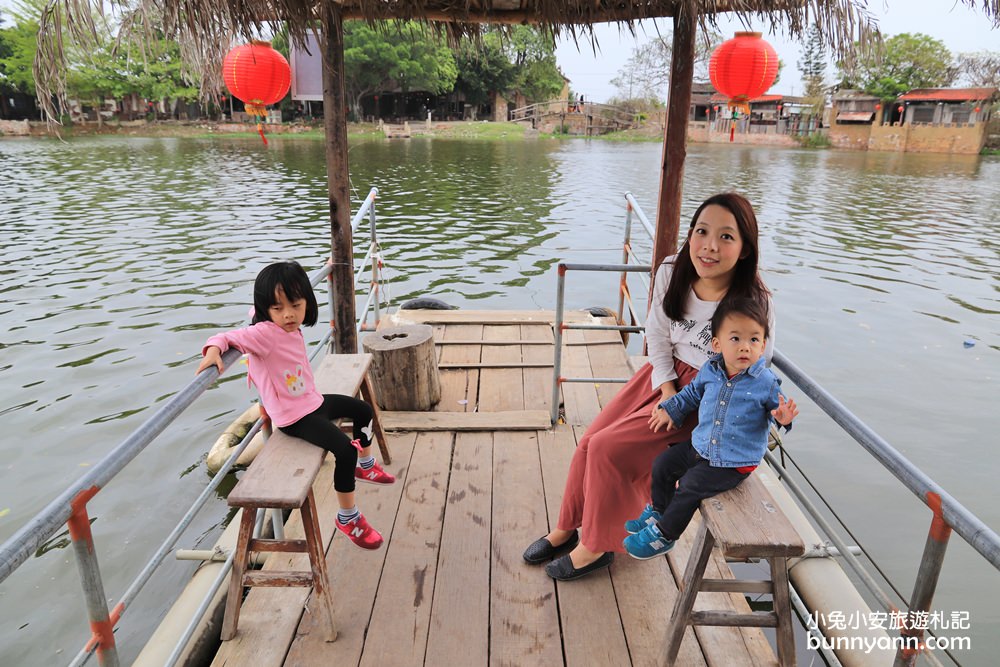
(449, 586)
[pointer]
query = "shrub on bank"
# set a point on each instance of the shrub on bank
(815, 140)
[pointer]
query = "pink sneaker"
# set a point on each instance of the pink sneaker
(374, 475)
(360, 532)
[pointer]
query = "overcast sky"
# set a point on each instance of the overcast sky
(960, 28)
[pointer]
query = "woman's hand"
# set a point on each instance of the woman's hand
(213, 357)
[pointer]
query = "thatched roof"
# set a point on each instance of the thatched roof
(205, 29)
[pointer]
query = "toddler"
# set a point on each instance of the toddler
(736, 397)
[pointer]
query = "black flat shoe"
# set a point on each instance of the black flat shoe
(542, 550)
(562, 569)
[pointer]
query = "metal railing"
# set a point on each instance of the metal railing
(947, 513)
(70, 507)
(557, 379)
(374, 255)
(633, 213)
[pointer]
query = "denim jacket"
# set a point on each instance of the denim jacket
(734, 415)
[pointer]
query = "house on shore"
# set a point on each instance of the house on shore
(773, 119)
(923, 120)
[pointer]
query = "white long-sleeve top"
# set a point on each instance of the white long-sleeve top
(689, 339)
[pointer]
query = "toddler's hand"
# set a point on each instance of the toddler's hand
(213, 357)
(786, 412)
(660, 419)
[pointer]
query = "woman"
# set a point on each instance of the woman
(609, 476)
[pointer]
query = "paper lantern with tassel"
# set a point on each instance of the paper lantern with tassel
(743, 68)
(258, 75)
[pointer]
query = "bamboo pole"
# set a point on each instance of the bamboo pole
(345, 339)
(668, 211)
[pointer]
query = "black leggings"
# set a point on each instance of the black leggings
(317, 428)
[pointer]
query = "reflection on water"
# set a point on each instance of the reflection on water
(120, 255)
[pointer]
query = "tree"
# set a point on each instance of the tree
(483, 68)
(152, 71)
(646, 75)
(980, 69)
(387, 55)
(813, 69)
(908, 61)
(17, 53)
(520, 59)
(532, 52)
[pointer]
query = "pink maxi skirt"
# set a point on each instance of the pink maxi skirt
(609, 475)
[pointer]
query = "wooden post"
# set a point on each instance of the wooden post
(668, 211)
(404, 367)
(345, 339)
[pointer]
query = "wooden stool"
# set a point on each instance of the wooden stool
(348, 374)
(281, 477)
(746, 523)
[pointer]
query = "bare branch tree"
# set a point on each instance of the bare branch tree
(980, 69)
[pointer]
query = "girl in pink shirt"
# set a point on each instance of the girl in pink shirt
(283, 301)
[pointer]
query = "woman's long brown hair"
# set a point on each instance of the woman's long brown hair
(746, 281)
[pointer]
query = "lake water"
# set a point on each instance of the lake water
(119, 256)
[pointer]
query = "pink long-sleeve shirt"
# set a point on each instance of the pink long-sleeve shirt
(279, 367)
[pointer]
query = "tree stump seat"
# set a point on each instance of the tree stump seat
(404, 367)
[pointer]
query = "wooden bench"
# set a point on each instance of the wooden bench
(281, 477)
(746, 523)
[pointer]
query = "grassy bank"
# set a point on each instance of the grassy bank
(298, 131)
(313, 131)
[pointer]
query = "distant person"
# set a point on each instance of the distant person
(736, 398)
(284, 300)
(609, 475)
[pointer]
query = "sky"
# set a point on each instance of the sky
(960, 28)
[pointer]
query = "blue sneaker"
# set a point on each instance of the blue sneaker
(648, 516)
(647, 543)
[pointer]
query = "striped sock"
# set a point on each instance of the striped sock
(367, 463)
(344, 517)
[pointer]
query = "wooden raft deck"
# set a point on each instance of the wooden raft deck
(449, 586)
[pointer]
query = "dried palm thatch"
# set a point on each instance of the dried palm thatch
(205, 29)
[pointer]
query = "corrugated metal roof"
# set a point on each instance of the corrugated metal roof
(948, 94)
(863, 116)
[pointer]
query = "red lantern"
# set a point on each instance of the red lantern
(258, 75)
(977, 109)
(743, 68)
(878, 106)
(900, 108)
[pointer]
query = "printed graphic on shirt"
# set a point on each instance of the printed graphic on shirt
(294, 382)
(704, 337)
